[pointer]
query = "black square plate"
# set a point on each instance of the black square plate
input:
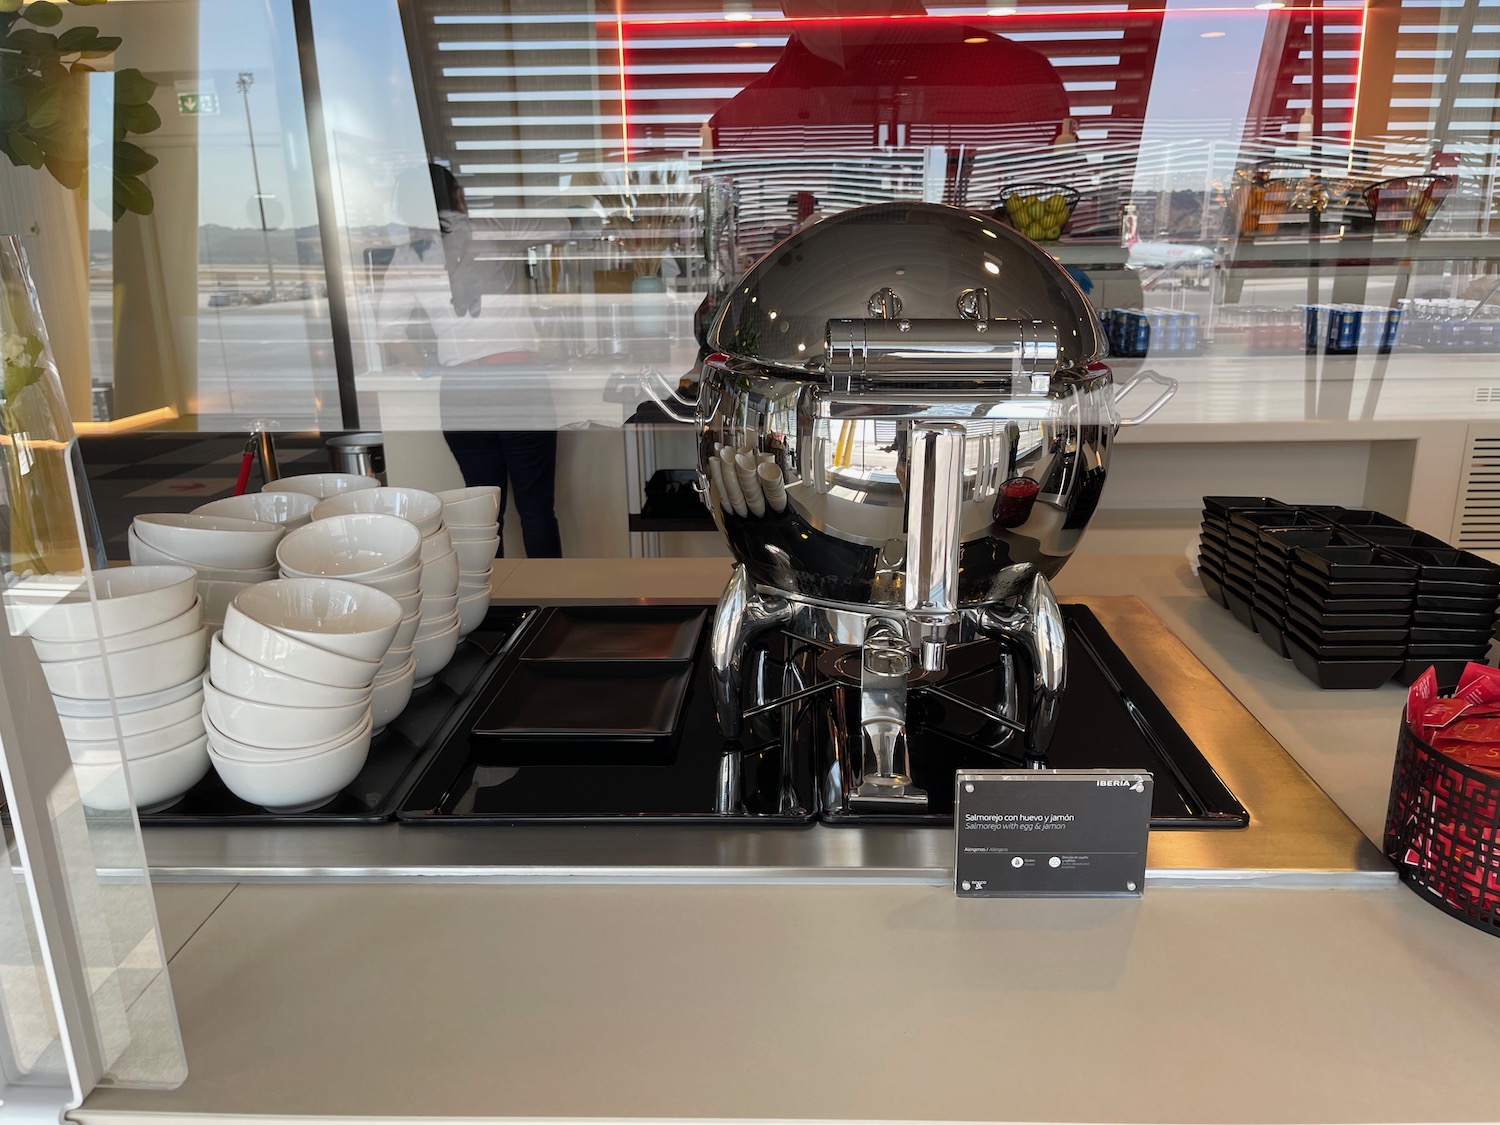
(595, 700)
(617, 633)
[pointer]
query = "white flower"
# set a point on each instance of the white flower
(13, 349)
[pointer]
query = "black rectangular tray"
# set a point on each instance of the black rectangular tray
(615, 633)
(1109, 719)
(397, 754)
(671, 780)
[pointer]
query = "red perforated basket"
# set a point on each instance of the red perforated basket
(1442, 831)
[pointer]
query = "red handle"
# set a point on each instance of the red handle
(247, 462)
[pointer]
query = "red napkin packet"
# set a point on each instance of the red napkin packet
(1422, 692)
(1465, 727)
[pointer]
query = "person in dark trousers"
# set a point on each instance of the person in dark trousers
(432, 308)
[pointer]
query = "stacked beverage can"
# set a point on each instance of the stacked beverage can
(1346, 329)
(1135, 332)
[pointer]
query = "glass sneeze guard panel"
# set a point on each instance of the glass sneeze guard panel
(84, 991)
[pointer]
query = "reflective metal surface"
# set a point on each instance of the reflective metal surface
(857, 336)
(1297, 836)
(914, 260)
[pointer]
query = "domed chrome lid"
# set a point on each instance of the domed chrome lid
(917, 262)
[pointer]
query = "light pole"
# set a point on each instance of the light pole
(243, 83)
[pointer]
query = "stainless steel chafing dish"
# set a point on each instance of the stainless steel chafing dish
(904, 431)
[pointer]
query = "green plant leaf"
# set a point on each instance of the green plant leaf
(137, 118)
(24, 149)
(65, 170)
(86, 3)
(43, 13)
(44, 107)
(132, 160)
(132, 87)
(10, 6)
(133, 195)
(67, 139)
(30, 41)
(101, 46)
(77, 38)
(12, 103)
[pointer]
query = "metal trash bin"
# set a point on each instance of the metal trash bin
(358, 453)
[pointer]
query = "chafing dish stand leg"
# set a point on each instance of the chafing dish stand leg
(743, 616)
(1034, 629)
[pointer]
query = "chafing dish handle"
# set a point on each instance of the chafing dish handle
(949, 347)
(1146, 376)
(672, 404)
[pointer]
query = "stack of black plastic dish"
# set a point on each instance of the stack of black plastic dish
(1352, 597)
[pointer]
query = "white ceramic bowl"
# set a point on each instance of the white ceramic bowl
(289, 509)
(392, 693)
(155, 781)
(132, 671)
(433, 608)
(422, 508)
(436, 545)
(293, 655)
(411, 601)
(296, 783)
(229, 746)
(436, 625)
(235, 674)
(393, 660)
(222, 542)
(275, 726)
(321, 486)
(460, 534)
(245, 577)
(342, 617)
(468, 507)
(70, 707)
(102, 728)
(440, 576)
(216, 597)
(405, 632)
(477, 556)
(433, 653)
(359, 547)
(470, 585)
(189, 621)
(142, 745)
(129, 598)
(471, 612)
(142, 554)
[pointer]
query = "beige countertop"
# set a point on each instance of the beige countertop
(853, 1002)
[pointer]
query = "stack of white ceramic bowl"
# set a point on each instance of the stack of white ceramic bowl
(376, 550)
(473, 519)
(288, 509)
(149, 629)
(320, 486)
(288, 695)
(432, 634)
(228, 552)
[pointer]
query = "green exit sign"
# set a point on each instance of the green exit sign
(194, 105)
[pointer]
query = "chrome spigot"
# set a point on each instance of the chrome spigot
(934, 494)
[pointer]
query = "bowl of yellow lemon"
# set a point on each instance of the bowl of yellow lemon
(1039, 211)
